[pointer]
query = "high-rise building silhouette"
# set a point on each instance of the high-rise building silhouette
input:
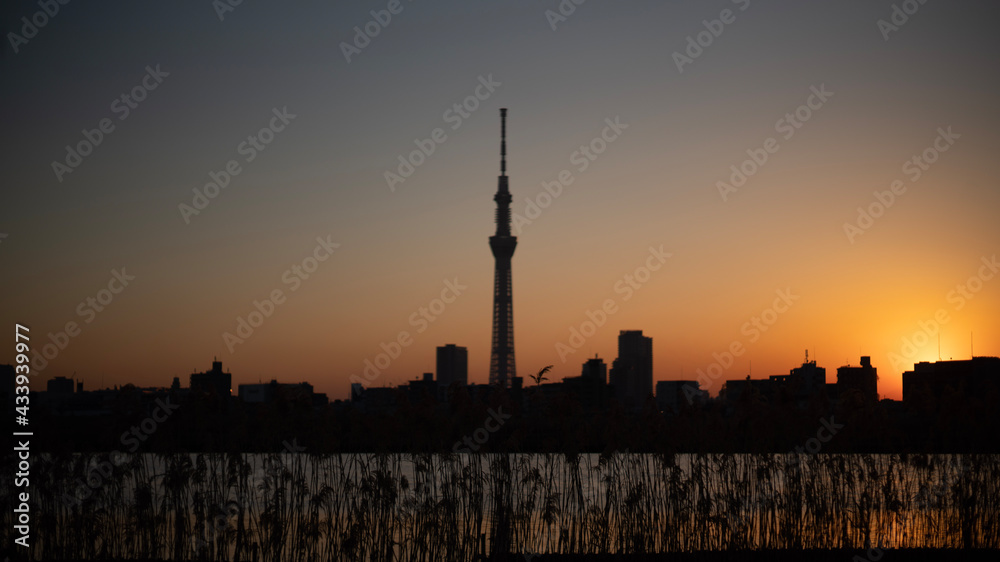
(452, 365)
(632, 371)
(502, 243)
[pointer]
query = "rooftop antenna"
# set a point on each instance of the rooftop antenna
(939, 346)
(972, 354)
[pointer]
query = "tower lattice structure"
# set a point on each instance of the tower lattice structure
(502, 368)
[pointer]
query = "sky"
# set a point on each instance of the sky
(765, 177)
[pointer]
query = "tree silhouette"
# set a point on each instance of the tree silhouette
(541, 375)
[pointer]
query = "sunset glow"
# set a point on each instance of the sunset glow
(873, 211)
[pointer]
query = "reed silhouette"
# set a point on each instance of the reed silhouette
(283, 506)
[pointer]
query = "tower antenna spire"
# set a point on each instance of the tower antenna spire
(503, 141)
(502, 370)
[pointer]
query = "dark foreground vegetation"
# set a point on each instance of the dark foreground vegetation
(812, 555)
(295, 506)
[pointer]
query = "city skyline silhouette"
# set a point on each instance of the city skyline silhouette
(631, 391)
(365, 211)
(262, 270)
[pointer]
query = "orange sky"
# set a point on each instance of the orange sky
(657, 184)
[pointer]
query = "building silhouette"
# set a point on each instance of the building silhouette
(423, 389)
(596, 370)
(590, 390)
(59, 385)
(809, 378)
(800, 385)
(863, 379)
(671, 396)
(265, 393)
(764, 389)
(214, 381)
(502, 244)
(452, 365)
(632, 370)
(969, 379)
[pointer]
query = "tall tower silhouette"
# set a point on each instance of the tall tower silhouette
(502, 243)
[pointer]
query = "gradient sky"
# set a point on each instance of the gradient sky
(655, 185)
